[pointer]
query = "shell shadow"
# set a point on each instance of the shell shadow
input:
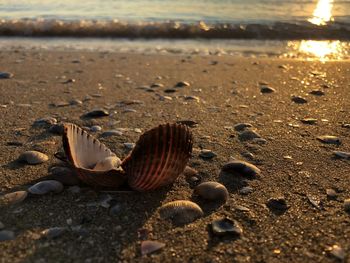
(233, 181)
(208, 206)
(125, 225)
(14, 165)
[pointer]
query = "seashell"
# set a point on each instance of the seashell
(207, 154)
(96, 113)
(347, 205)
(93, 161)
(190, 172)
(45, 187)
(212, 191)
(33, 157)
(278, 203)
(182, 84)
(242, 168)
(242, 126)
(45, 122)
(298, 99)
(13, 198)
(53, 232)
(159, 157)
(149, 246)
(226, 226)
(340, 154)
(330, 139)
(181, 212)
(5, 75)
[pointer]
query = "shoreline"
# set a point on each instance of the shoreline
(322, 50)
(224, 91)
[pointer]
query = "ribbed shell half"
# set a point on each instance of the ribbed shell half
(159, 157)
(95, 164)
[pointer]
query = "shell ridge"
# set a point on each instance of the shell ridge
(158, 178)
(157, 162)
(137, 184)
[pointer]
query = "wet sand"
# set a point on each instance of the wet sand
(293, 162)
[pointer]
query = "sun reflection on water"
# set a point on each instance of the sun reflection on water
(322, 13)
(320, 50)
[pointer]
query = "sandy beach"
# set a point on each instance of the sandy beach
(223, 92)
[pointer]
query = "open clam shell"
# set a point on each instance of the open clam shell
(95, 164)
(159, 157)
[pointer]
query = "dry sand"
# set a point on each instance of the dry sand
(228, 92)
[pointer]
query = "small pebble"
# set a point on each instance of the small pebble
(148, 247)
(61, 104)
(6, 75)
(278, 203)
(170, 90)
(212, 191)
(96, 113)
(337, 252)
(197, 99)
(45, 187)
(45, 122)
(33, 157)
(111, 133)
(75, 102)
(347, 205)
(225, 226)
(126, 110)
(242, 168)
(309, 121)
(299, 100)
(115, 210)
(182, 84)
(329, 139)
(95, 128)
(57, 129)
(317, 92)
(247, 135)
(331, 193)
(54, 232)
(343, 155)
(246, 190)
(190, 172)
(6, 235)
(14, 197)
(267, 89)
(242, 126)
(68, 81)
(207, 154)
(157, 85)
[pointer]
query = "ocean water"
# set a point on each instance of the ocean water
(311, 29)
(229, 19)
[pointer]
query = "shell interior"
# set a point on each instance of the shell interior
(83, 150)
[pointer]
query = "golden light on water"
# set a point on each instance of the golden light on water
(320, 50)
(324, 50)
(322, 13)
